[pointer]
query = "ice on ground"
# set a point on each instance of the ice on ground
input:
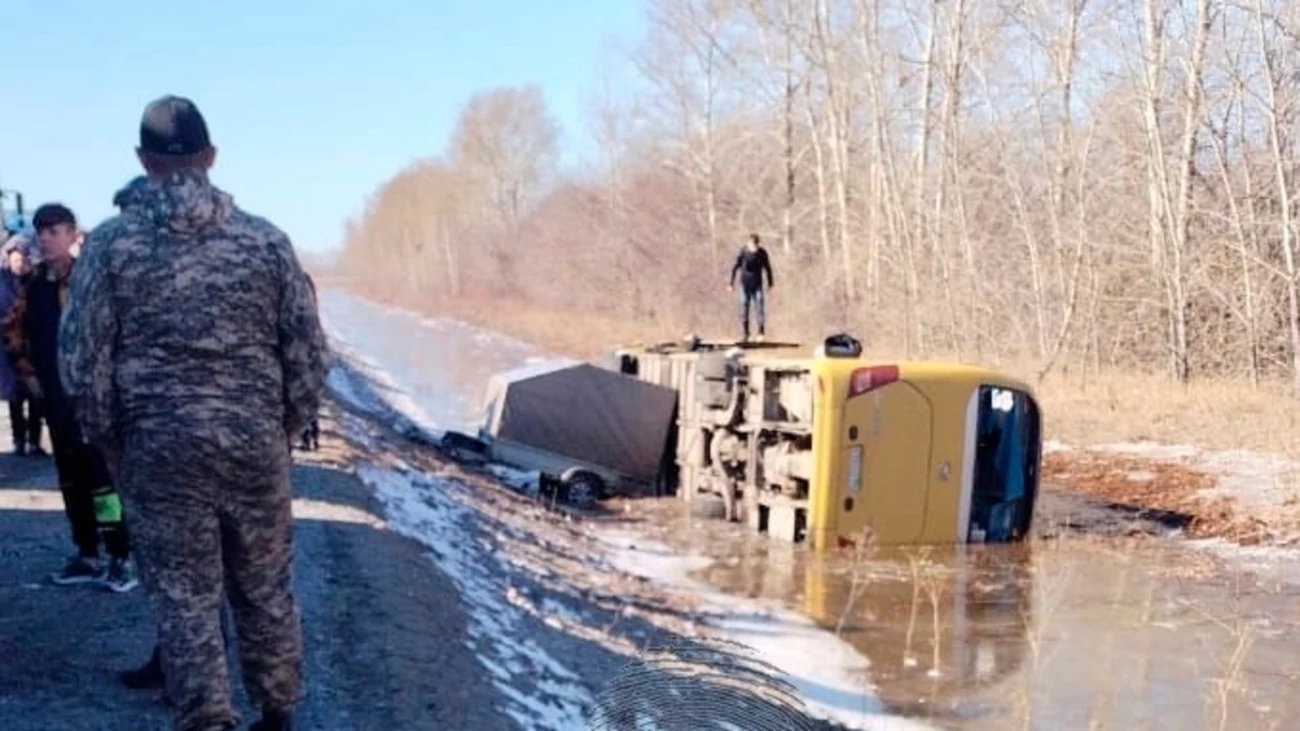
(1256, 479)
(443, 365)
(391, 399)
(1052, 446)
(830, 675)
(1150, 450)
(1271, 564)
(540, 692)
(443, 323)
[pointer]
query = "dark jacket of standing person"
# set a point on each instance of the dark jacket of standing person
(194, 353)
(752, 263)
(31, 329)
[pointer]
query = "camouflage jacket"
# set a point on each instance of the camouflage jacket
(187, 312)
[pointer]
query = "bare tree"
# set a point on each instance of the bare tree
(1040, 180)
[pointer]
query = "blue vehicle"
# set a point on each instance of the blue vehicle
(13, 217)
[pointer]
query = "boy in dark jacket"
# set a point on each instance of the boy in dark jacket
(31, 334)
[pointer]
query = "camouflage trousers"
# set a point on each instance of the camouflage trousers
(201, 526)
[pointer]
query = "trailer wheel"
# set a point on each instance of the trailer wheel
(583, 489)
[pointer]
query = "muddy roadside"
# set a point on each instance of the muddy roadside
(1236, 497)
(385, 630)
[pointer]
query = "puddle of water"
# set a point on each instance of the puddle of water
(1059, 634)
(1055, 634)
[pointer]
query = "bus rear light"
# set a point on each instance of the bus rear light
(865, 380)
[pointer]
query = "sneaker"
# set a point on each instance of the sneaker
(79, 570)
(120, 576)
(20, 450)
(37, 451)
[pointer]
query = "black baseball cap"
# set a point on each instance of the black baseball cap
(172, 125)
(52, 214)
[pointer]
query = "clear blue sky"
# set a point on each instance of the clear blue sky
(311, 104)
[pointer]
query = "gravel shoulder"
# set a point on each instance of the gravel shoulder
(384, 628)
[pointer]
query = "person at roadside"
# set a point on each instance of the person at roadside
(751, 263)
(32, 328)
(310, 438)
(194, 354)
(149, 675)
(24, 409)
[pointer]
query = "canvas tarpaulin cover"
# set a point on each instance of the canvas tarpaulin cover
(583, 412)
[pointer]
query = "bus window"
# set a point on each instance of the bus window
(1007, 447)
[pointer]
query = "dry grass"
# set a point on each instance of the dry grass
(1078, 409)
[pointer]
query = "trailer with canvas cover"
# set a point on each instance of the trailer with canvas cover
(592, 431)
(832, 448)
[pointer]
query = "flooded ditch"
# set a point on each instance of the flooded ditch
(1100, 621)
(1075, 631)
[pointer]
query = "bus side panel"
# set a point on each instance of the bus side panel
(891, 428)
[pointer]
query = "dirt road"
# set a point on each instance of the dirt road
(385, 629)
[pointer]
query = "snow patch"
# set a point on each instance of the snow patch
(444, 323)
(422, 508)
(393, 404)
(1150, 450)
(1052, 446)
(1268, 563)
(830, 675)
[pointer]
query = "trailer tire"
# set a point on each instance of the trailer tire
(707, 506)
(582, 489)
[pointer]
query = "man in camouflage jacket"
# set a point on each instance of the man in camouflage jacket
(193, 352)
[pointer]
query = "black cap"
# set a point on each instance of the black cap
(172, 125)
(52, 214)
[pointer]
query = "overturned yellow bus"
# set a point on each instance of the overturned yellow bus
(830, 448)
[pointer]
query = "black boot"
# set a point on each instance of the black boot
(274, 721)
(149, 675)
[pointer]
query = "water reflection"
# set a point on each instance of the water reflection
(942, 628)
(1056, 634)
